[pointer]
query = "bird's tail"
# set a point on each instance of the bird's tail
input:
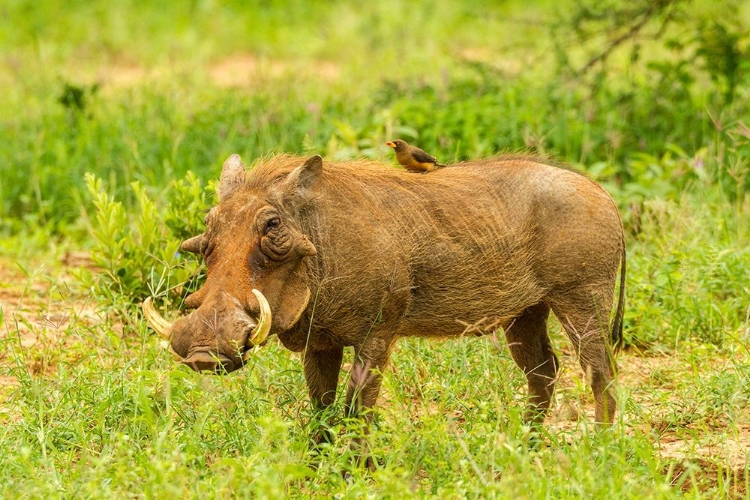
(440, 165)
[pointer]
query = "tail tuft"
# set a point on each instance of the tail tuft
(616, 335)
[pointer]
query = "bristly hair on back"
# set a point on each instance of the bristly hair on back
(269, 169)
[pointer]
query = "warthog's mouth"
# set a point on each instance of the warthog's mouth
(200, 359)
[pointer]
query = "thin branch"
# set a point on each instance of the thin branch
(631, 33)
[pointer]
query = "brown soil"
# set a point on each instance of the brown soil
(38, 309)
(701, 458)
(240, 70)
(243, 70)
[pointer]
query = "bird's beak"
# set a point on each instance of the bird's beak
(390, 144)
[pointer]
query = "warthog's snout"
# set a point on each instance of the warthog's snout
(218, 352)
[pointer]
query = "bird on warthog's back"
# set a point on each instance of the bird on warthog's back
(412, 158)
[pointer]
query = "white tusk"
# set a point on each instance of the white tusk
(155, 321)
(260, 333)
(247, 355)
(165, 344)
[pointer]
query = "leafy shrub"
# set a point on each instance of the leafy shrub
(139, 253)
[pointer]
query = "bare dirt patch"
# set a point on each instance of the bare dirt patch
(244, 69)
(700, 474)
(699, 452)
(123, 75)
(38, 307)
(240, 70)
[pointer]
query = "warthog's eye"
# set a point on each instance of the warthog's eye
(272, 223)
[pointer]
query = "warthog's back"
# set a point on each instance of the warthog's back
(464, 248)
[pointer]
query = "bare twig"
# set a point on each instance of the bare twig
(631, 33)
(621, 26)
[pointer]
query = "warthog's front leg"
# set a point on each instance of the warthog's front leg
(322, 376)
(370, 360)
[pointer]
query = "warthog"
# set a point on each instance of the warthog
(359, 254)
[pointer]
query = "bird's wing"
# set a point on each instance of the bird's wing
(422, 157)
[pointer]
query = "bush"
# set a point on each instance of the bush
(139, 253)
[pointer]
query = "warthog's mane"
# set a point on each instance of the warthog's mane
(361, 179)
(269, 169)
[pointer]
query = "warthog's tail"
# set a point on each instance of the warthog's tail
(617, 323)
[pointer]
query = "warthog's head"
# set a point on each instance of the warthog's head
(254, 253)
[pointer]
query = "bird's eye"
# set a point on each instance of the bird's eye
(272, 223)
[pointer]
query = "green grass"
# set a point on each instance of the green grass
(101, 414)
(149, 100)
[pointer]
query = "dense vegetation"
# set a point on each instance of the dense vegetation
(116, 116)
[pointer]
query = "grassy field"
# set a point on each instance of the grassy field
(115, 118)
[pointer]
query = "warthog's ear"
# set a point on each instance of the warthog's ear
(303, 178)
(232, 175)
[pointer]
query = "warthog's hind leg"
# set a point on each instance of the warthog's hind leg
(585, 317)
(531, 349)
(370, 359)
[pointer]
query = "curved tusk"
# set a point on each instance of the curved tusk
(155, 321)
(165, 344)
(248, 354)
(260, 333)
